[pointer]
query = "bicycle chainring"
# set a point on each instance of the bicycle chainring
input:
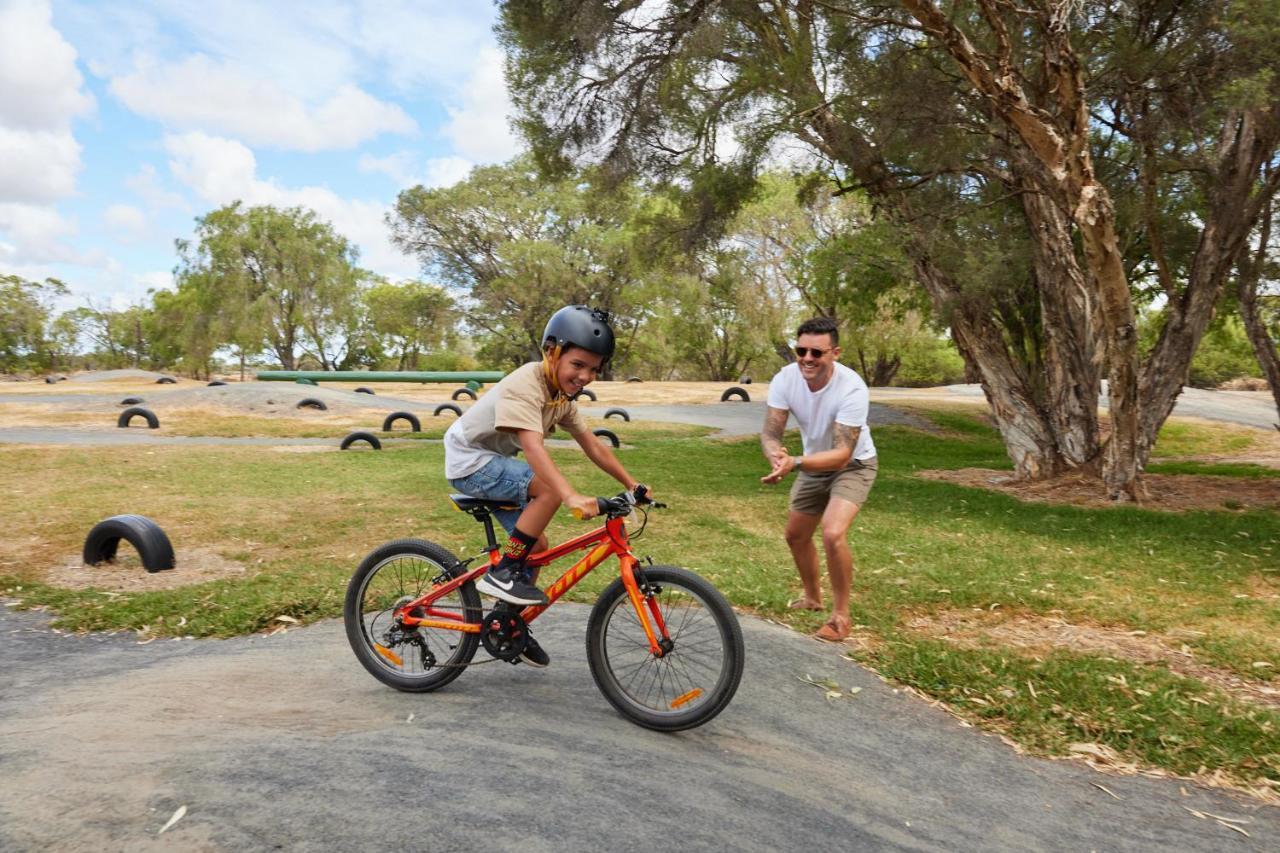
(504, 634)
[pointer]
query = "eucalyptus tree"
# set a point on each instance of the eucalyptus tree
(410, 319)
(516, 248)
(270, 278)
(25, 316)
(1102, 130)
(1258, 292)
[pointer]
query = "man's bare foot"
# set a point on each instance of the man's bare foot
(835, 629)
(803, 603)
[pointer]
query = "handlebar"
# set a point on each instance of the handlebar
(622, 503)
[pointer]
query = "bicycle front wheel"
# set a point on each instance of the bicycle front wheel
(421, 659)
(697, 674)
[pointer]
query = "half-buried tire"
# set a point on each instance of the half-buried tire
(447, 407)
(415, 425)
(735, 391)
(166, 380)
(622, 413)
(364, 390)
(131, 401)
(463, 392)
(312, 402)
(361, 436)
(586, 393)
(137, 411)
(215, 383)
(607, 435)
(139, 531)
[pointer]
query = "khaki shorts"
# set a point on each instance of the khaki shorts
(810, 492)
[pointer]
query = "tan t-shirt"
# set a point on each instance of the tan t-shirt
(520, 401)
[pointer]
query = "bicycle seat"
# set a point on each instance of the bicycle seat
(475, 506)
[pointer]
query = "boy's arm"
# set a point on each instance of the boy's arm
(604, 458)
(535, 451)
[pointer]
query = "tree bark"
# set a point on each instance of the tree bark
(1247, 286)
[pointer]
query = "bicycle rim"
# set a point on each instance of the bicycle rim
(425, 657)
(692, 682)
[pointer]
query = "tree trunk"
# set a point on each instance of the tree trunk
(1071, 355)
(1235, 206)
(1263, 347)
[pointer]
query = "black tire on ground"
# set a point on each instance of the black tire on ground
(588, 393)
(216, 383)
(744, 380)
(166, 380)
(363, 390)
(131, 401)
(139, 531)
(634, 379)
(408, 567)
(415, 425)
(735, 391)
(622, 413)
(447, 407)
(607, 434)
(133, 411)
(701, 672)
(463, 392)
(361, 436)
(51, 380)
(313, 403)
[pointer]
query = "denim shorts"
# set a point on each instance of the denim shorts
(501, 479)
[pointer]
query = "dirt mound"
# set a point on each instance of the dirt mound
(116, 375)
(1175, 492)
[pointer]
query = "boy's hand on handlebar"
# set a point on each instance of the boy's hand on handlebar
(582, 506)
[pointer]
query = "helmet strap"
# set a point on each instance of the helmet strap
(550, 361)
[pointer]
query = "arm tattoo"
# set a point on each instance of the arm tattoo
(775, 423)
(846, 437)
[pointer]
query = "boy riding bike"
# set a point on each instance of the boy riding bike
(517, 415)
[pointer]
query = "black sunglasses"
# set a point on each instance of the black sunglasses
(802, 352)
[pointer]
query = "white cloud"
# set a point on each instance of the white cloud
(222, 170)
(37, 165)
(401, 168)
(204, 94)
(146, 184)
(40, 95)
(478, 127)
(157, 280)
(38, 234)
(125, 219)
(40, 86)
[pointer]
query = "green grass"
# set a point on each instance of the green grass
(923, 548)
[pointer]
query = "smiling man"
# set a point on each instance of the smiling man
(836, 471)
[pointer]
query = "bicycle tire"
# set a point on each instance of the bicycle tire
(410, 566)
(697, 615)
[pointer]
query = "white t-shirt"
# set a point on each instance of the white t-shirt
(844, 398)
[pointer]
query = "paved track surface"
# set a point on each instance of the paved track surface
(284, 742)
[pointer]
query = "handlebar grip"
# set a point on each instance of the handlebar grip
(601, 506)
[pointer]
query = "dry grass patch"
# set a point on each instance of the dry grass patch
(126, 574)
(1040, 635)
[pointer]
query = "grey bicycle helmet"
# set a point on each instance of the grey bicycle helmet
(580, 326)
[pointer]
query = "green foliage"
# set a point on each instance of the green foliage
(264, 278)
(28, 340)
(407, 321)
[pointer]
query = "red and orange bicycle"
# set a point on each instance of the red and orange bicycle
(663, 644)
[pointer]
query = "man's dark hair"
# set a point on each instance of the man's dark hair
(820, 326)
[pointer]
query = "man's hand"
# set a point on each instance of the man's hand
(783, 464)
(582, 506)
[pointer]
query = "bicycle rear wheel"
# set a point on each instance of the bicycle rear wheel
(692, 681)
(420, 659)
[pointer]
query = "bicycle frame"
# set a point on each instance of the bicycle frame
(611, 540)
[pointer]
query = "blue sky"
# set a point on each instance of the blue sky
(120, 123)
